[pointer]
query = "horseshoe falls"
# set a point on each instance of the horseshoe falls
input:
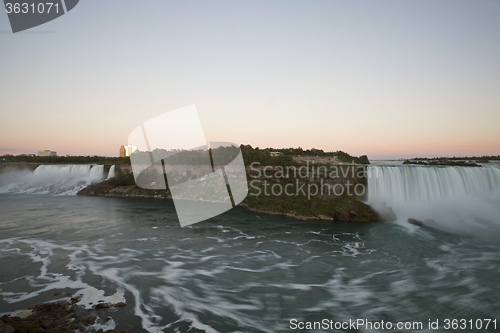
(464, 200)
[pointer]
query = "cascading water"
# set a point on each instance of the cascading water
(465, 199)
(415, 183)
(111, 172)
(52, 179)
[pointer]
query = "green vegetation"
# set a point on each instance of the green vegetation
(220, 156)
(224, 155)
(263, 156)
(314, 206)
(119, 186)
(125, 179)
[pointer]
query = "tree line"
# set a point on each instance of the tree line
(263, 156)
(219, 156)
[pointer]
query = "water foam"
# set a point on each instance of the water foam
(52, 179)
(459, 199)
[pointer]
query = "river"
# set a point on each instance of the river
(242, 271)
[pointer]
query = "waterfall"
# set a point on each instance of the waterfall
(457, 199)
(419, 183)
(111, 172)
(51, 179)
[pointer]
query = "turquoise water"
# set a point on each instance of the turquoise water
(240, 271)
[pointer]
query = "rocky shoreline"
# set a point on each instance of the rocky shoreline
(60, 317)
(338, 215)
(343, 208)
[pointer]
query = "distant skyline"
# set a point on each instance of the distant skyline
(389, 79)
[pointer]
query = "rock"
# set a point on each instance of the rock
(341, 215)
(23, 314)
(427, 222)
(75, 299)
(90, 320)
(61, 317)
(6, 328)
(338, 209)
(103, 305)
(120, 304)
(387, 214)
(415, 222)
(430, 222)
(46, 323)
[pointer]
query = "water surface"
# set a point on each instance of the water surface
(240, 271)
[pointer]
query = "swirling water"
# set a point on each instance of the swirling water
(240, 271)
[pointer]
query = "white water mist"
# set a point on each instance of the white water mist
(459, 199)
(51, 179)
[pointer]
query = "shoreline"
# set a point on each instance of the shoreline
(290, 215)
(343, 208)
(65, 314)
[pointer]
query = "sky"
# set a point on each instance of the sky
(389, 79)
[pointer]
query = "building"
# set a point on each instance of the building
(47, 153)
(130, 149)
(127, 150)
(123, 152)
(276, 153)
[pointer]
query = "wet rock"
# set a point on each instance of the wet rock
(415, 222)
(341, 215)
(430, 222)
(90, 320)
(6, 328)
(103, 305)
(23, 314)
(61, 317)
(76, 299)
(47, 323)
(388, 215)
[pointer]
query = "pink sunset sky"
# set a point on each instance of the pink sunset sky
(383, 78)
